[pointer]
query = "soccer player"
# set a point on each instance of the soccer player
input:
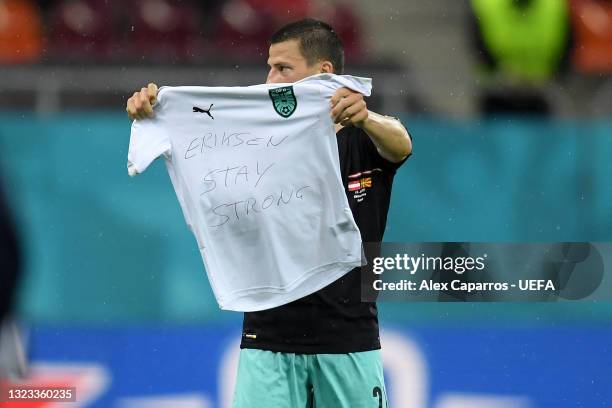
(322, 350)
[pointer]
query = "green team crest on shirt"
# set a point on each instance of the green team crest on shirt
(283, 100)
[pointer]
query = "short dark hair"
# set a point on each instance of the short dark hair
(318, 41)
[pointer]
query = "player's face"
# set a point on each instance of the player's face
(287, 64)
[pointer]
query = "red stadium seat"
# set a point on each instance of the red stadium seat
(81, 29)
(592, 20)
(164, 30)
(20, 32)
(344, 20)
(242, 29)
(245, 26)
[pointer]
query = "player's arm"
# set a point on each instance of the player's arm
(140, 105)
(387, 133)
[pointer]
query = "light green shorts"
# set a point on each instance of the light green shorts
(268, 379)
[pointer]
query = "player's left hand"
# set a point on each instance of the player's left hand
(348, 108)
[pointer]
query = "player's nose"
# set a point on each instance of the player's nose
(271, 77)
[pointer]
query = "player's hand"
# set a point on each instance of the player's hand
(348, 108)
(140, 105)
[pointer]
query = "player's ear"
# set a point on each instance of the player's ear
(327, 67)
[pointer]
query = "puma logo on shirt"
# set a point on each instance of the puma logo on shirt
(206, 111)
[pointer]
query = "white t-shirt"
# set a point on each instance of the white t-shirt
(256, 171)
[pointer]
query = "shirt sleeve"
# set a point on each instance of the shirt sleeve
(148, 140)
(331, 82)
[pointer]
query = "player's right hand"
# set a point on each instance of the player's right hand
(139, 106)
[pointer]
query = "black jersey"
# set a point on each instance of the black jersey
(333, 319)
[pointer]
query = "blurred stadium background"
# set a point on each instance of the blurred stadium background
(509, 103)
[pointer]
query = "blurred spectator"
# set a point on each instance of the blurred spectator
(20, 32)
(521, 43)
(592, 21)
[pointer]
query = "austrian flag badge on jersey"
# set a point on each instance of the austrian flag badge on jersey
(355, 185)
(359, 183)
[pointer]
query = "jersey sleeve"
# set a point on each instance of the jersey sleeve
(331, 82)
(148, 140)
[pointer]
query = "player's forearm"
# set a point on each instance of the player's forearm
(389, 136)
